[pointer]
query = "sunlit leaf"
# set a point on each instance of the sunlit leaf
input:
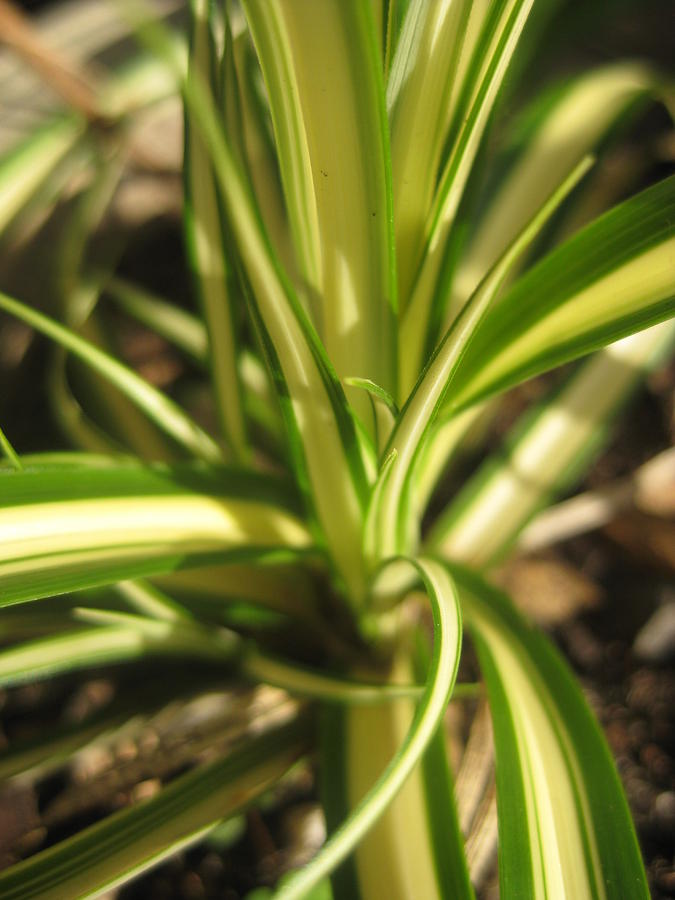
(614, 277)
(565, 125)
(547, 451)
(318, 56)
(564, 825)
(499, 26)
(438, 378)
(369, 807)
(31, 162)
(419, 92)
(103, 525)
(108, 644)
(321, 430)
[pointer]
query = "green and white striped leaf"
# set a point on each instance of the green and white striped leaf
(564, 825)
(33, 758)
(149, 601)
(188, 334)
(247, 123)
(80, 430)
(31, 162)
(9, 452)
(473, 34)
(439, 790)
(206, 246)
(269, 30)
(319, 56)
(419, 91)
(383, 409)
(416, 849)
(449, 438)
(318, 685)
(156, 405)
(321, 430)
(29, 165)
(133, 840)
(500, 29)
(547, 451)
(284, 586)
(390, 15)
(101, 525)
(126, 424)
(372, 793)
(560, 130)
(111, 644)
(614, 277)
(392, 515)
(181, 328)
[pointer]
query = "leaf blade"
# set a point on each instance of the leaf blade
(349, 170)
(564, 822)
(321, 430)
(618, 278)
(206, 245)
(547, 451)
(107, 524)
(133, 840)
(157, 406)
(500, 26)
(438, 379)
(558, 132)
(108, 645)
(419, 92)
(270, 35)
(440, 680)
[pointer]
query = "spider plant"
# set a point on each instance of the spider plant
(372, 274)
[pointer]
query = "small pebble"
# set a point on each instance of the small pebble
(666, 881)
(662, 709)
(655, 641)
(211, 868)
(615, 651)
(639, 733)
(145, 789)
(642, 691)
(663, 732)
(617, 712)
(618, 737)
(583, 647)
(641, 794)
(664, 811)
(192, 887)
